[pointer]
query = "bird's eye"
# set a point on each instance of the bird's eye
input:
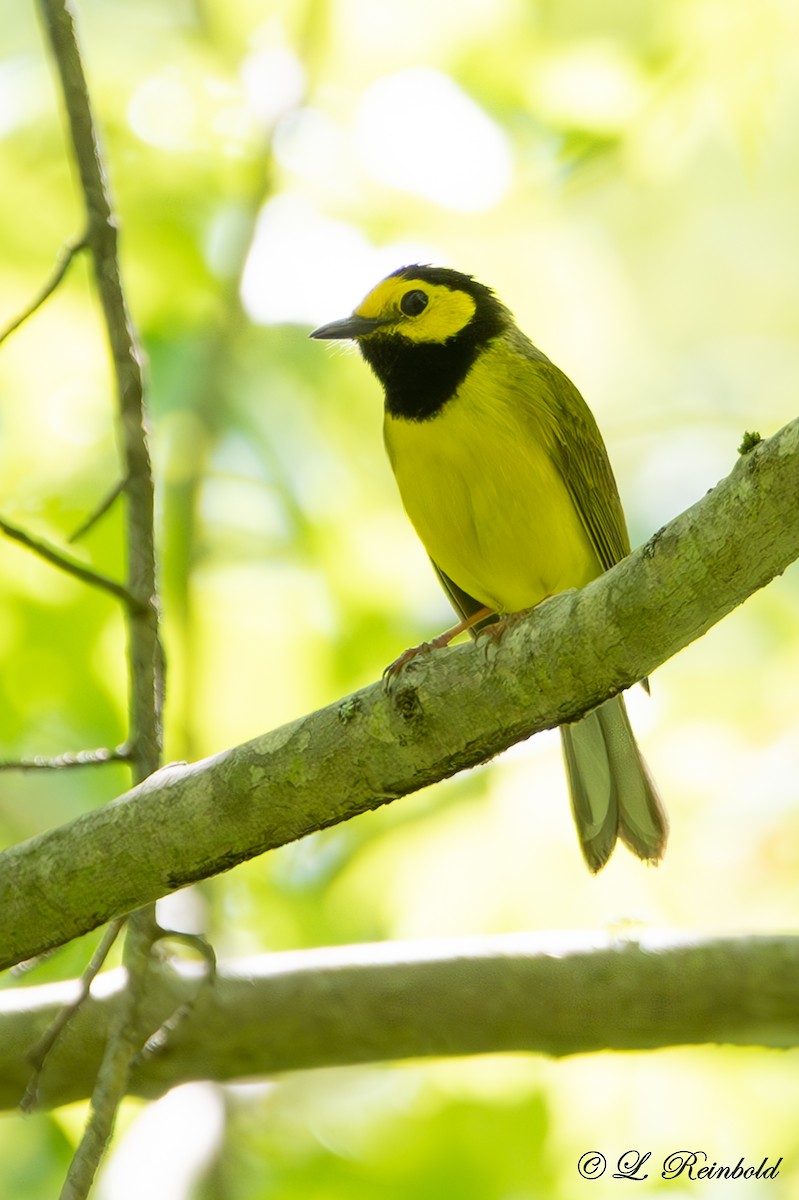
(412, 303)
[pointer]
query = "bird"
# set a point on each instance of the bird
(505, 477)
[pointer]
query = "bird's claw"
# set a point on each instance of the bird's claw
(395, 668)
(493, 634)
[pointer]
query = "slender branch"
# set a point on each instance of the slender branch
(126, 357)
(125, 1035)
(163, 1035)
(102, 508)
(65, 562)
(71, 758)
(145, 686)
(65, 257)
(38, 1055)
(189, 822)
(554, 994)
(145, 669)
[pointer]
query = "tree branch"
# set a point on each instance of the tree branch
(71, 566)
(65, 257)
(70, 758)
(101, 237)
(555, 994)
(36, 1057)
(189, 822)
(105, 505)
(145, 680)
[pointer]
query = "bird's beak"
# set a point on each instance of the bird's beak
(350, 327)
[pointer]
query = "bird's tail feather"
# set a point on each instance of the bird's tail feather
(612, 792)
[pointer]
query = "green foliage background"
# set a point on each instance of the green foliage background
(270, 161)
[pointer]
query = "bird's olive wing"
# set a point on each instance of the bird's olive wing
(580, 455)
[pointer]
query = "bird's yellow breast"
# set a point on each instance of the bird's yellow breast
(482, 490)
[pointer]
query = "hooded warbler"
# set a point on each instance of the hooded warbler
(505, 477)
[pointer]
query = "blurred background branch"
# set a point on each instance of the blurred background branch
(558, 995)
(70, 758)
(65, 562)
(59, 272)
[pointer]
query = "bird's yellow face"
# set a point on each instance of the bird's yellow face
(417, 310)
(421, 330)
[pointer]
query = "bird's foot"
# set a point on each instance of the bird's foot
(437, 643)
(394, 669)
(492, 635)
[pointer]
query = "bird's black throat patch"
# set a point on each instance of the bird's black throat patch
(419, 378)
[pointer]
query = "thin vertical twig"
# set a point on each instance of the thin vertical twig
(145, 660)
(102, 236)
